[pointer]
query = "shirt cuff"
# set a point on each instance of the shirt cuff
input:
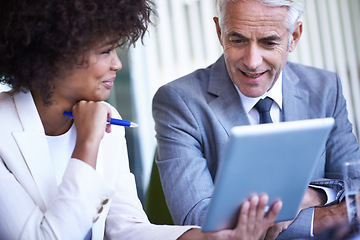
(312, 224)
(330, 193)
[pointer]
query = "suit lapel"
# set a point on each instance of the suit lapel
(226, 105)
(34, 148)
(295, 99)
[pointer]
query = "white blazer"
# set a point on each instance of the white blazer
(32, 206)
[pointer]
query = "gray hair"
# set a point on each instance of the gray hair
(296, 9)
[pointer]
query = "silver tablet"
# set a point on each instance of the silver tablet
(277, 159)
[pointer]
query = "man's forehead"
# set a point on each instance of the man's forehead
(259, 28)
(253, 9)
(265, 19)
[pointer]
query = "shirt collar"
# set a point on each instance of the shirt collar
(275, 93)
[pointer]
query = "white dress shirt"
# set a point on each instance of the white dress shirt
(61, 148)
(275, 93)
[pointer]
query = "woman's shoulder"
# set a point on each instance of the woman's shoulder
(8, 113)
(7, 105)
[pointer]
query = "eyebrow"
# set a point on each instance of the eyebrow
(109, 43)
(235, 34)
(272, 38)
(269, 38)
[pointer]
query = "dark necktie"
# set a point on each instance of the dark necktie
(263, 106)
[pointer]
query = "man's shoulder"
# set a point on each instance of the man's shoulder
(301, 69)
(312, 78)
(195, 77)
(195, 82)
(201, 76)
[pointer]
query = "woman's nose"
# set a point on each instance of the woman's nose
(115, 63)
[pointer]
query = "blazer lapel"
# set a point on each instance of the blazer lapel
(295, 99)
(229, 110)
(227, 105)
(34, 148)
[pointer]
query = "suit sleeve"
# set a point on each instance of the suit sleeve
(185, 176)
(341, 146)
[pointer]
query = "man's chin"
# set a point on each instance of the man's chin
(253, 92)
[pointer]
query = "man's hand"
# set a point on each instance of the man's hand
(330, 216)
(313, 197)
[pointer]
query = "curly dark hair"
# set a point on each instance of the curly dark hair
(39, 39)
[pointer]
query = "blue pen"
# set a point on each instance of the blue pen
(112, 121)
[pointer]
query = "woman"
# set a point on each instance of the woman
(63, 178)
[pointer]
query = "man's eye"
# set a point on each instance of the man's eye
(236, 40)
(270, 44)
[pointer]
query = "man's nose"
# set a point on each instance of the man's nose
(253, 57)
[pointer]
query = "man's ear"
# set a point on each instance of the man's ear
(218, 29)
(295, 37)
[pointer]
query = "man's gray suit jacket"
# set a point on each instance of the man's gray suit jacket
(193, 117)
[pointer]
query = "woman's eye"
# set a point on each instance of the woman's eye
(106, 51)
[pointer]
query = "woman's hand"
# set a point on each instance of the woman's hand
(252, 224)
(90, 119)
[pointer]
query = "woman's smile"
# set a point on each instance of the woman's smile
(109, 83)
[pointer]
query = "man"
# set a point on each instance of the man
(195, 113)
